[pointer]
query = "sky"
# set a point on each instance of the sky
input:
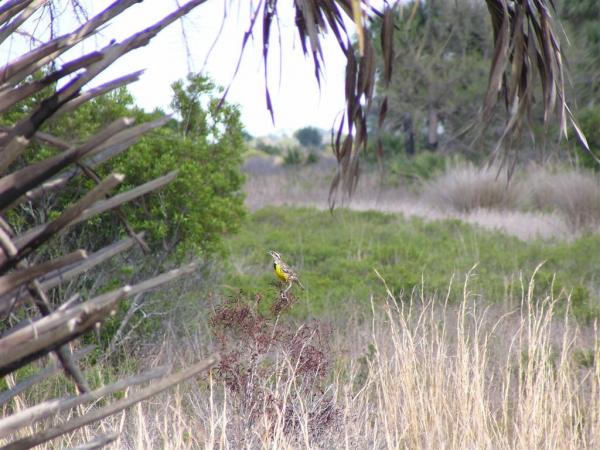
(295, 94)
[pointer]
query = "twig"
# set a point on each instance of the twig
(50, 408)
(120, 405)
(21, 386)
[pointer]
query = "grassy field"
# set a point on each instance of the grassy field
(336, 254)
(467, 341)
(418, 373)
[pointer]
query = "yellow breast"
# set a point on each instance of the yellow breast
(280, 273)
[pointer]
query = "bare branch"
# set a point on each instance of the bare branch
(97, 91)
(159, 280)
(14, 185)
(10, 27)
(67, 273)
(21, 386)
(100, 207)
(31, 240)
(99, 442)
(50, 408)
(17, 278)
(63, 352)
(120, 405)
(48, 333)
(11, 8)
(27, 64)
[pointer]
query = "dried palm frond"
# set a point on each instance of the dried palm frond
(314, 19)
(526, 45)
(25, 275)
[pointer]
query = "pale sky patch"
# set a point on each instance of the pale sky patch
(295, 94)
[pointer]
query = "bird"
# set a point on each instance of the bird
(284, 272)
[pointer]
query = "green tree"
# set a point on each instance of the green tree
(581, 19)
(440, 72)
(204, 143)
(309, 137)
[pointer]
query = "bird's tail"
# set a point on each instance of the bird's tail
(299, 284)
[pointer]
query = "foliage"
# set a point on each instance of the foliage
(440, 73)
(269, 149)
(204, 143)
(292, 156)
(309, 137)
(253, 342)
(423, 166)
(582, 17)
(312, 158)
(336, 264)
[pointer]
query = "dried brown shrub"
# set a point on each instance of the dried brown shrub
(262, 350)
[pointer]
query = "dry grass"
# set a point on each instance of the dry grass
(467, 188)
(419, 374)
(574, 194)
(568, 200)
(309, 186)
(454, 195)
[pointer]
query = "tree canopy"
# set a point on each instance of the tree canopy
(203, 142)
(309, 137)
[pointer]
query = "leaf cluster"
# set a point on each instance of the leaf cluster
(203, 142)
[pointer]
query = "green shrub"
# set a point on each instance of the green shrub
(204, 143)
(309, 137)
(204, 202)
(292, 157)
(312, 158)
(584, 358)
(336, 262)
(268, 148)
(420, 167)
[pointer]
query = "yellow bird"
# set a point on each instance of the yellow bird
(283, 271)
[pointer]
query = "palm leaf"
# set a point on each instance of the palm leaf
(527, 52)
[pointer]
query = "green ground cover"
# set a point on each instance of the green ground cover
(336, 254)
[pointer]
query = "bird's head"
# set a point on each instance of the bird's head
(276, 256)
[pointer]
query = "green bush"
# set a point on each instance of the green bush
(309, 137)
(268, 148)
(292, 157)
(312, 158)
(205, 201)
(336, 263)
(203, 142)
(392, 146)
(422, 166)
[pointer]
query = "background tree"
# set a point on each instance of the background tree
(581, 19)
(439, 72)
(309, 137)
